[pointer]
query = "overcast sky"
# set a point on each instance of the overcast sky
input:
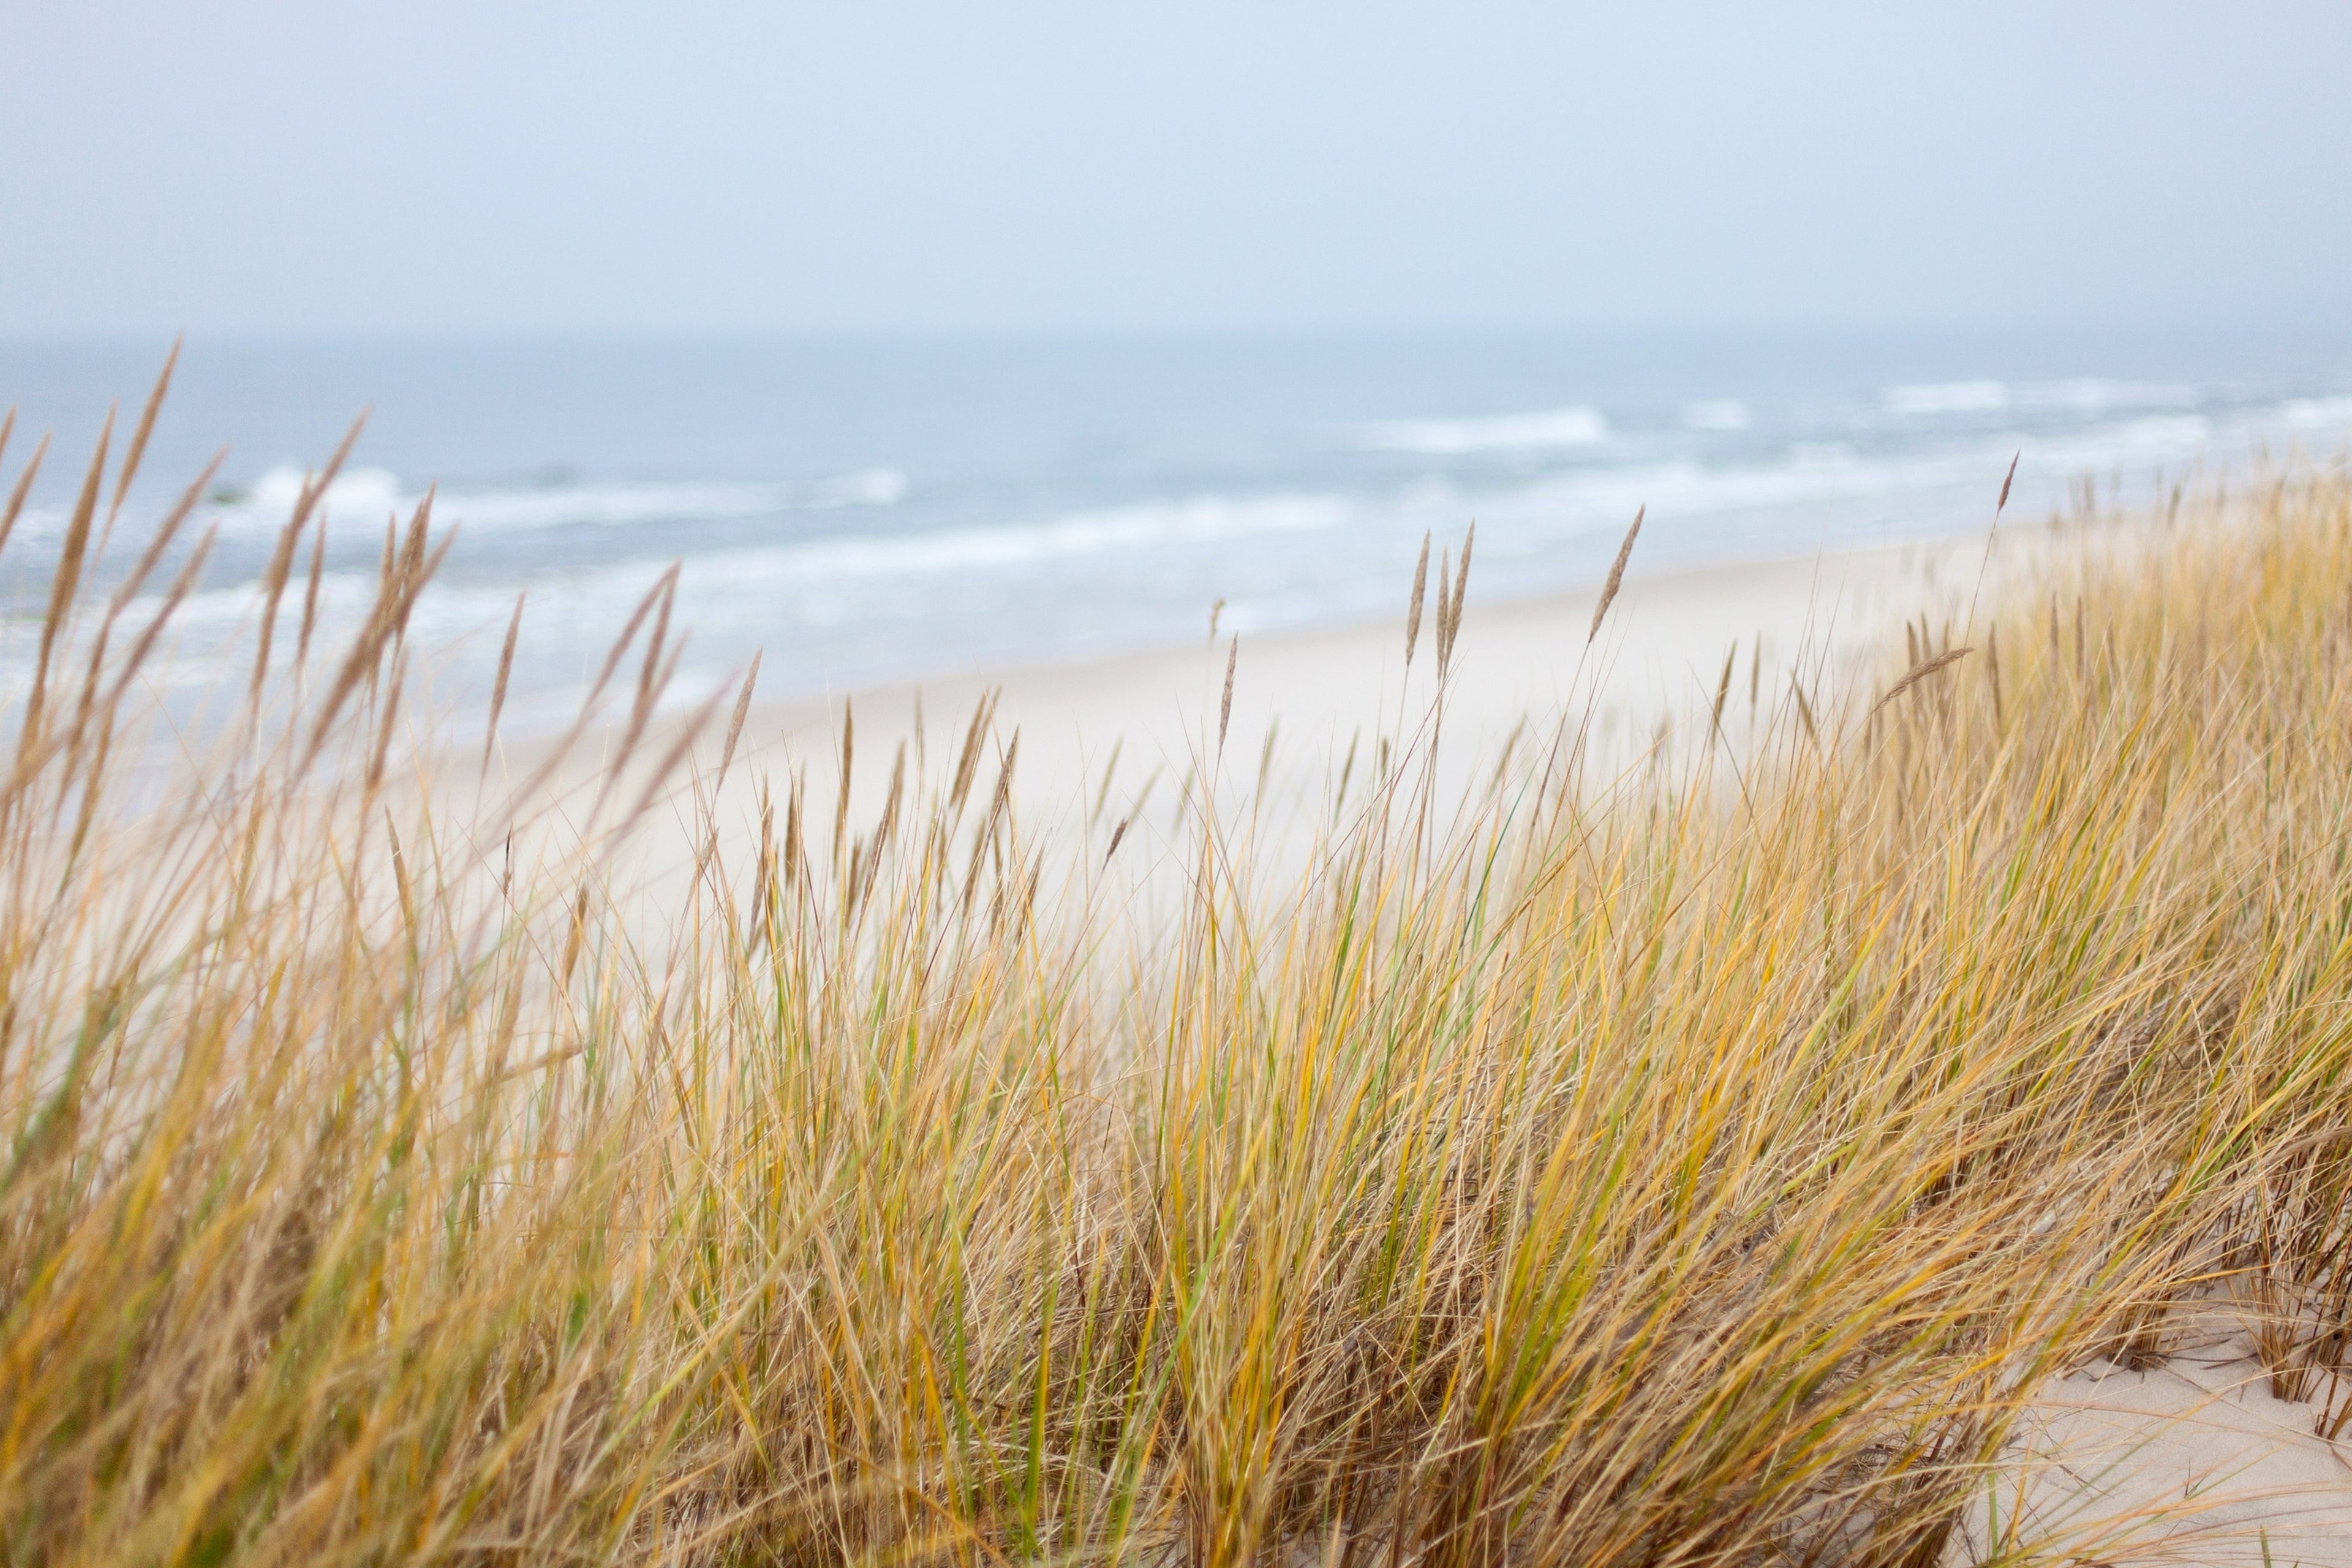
(462, 166)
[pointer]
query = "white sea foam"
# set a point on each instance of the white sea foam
(279, 490)
(2092, 395)
(605, 506)
(1715, 414)
(1948, 398)
(1812, 474)
(619, 506)
(2163, 439)
(2318, 414)
(2087, 395)
(1818, 455)
(452, 608)
(1195, 521)
(1498, 433)
(868, 486)
(267, 503)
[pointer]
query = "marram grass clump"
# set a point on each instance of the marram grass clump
(1695, 1167)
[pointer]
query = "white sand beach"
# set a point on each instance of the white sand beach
(1659, 657)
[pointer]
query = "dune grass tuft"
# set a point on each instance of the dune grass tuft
(1644, 1170)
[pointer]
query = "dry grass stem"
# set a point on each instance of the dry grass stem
(1921, 671)
(1616, 577)
(1705, 1167)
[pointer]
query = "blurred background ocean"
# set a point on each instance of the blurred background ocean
(868, 509)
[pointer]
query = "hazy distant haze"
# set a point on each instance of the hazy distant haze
(438, 166)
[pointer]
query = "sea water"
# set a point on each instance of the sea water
(867, 510)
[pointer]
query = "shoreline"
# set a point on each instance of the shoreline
(1660, 650)
(1104, 740)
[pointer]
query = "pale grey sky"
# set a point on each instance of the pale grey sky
(460, 166)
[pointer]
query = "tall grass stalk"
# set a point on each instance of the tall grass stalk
(1646, 1171)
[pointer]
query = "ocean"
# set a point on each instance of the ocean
(874, 509)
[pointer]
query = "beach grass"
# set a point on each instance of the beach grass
(1698, 1163)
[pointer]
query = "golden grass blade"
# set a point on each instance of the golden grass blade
(653, 678)
(274, 578)
(1445, 608)
(986, 839)
(359, 659)
(138, 448)
(64, 585)
(311, 598)
(397, 589)
(1985, 564)
(315, 485)
(1412, 613)
(166, 530)
(499, 686)
(1722, 689)
(1102, 791)
(1921, 671)
(689, 732)
(1462, 572)
(1992, 671)
(848, 765)
(744, 712)
(968, 760)
(414, 573)
(1225, 705)
(655, 644)
(1616, 577)
(1449, 599)
(190, 572)
(16, 506)
(660, 593)
(387, 713)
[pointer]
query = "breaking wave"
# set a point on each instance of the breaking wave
(1578, 427)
